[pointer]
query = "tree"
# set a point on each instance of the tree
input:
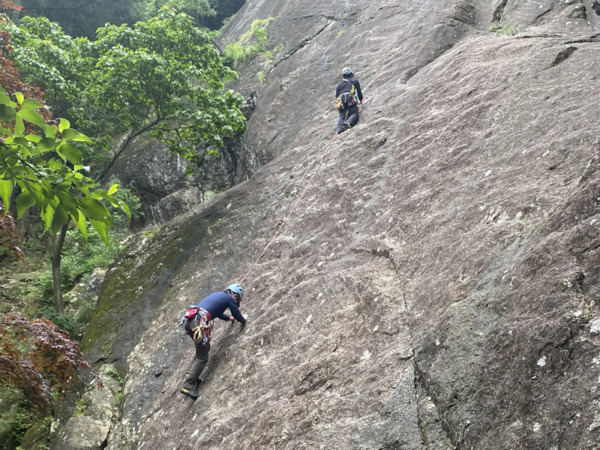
(36, 357)
(47, 57)
(162, 77)
(84, 17)
(10, 78)
(7, 5)
(194, 8)
(48, 172)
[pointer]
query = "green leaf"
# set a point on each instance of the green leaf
(19, 126)
(33, 138)
(94, 210)
(73, 135)
(63, 124)
(31, 116)
(68, 202)
(125, 208)
(60, 218)
(82, 225)
(24, 201)
(7, 113)
(47, 214)
(49, 131)
(4, 99)
(113, 189)
(19, 97)
(21, 141)
(47, 144)
(31, 103)
(102, 229)
(6, 188)
(70, 153)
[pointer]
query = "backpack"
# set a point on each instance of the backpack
(346, 99)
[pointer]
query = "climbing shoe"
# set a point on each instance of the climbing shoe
(347, 125)
(198, 380)
(189, 393)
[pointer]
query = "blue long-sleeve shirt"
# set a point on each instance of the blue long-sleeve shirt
(216, 304)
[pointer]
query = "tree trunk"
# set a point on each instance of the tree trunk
(57, 243)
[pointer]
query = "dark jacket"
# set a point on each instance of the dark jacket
(216, 304)
(344, 86)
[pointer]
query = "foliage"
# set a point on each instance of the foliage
(7, 5)
(49, 58)
(500, 26)
(10, 78)
(82, 18)
(127, 196)
(194, 8)
(37, 358)
(18, 420)
(114, 374)
(207, 13)
(48, 171)
(163, 77)
(8, 234)
(252, 43)
(507, 30)
(79, 259)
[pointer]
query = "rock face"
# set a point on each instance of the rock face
(161, 181)
(89, 426)
(431, 277)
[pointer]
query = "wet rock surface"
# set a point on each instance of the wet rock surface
(431, 277)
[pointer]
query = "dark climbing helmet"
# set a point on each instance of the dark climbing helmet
(236, 288)
(346, 71)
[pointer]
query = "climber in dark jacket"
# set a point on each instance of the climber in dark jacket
(211, 307)
(348, 113)
(596, 6)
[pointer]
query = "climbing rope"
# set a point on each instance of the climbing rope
(292, 209)
(363, 105)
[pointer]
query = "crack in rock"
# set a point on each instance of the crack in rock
(563, 55)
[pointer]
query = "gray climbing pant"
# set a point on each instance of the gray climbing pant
(198, 364)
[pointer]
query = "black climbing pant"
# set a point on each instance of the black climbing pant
(198, 364)
(350, 114)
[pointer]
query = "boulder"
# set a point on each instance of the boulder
(89, 426)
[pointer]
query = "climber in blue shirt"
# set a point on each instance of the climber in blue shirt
(200, 330)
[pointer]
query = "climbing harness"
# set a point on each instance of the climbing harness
(346, 99)
(198, 324)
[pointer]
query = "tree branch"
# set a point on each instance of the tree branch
(124, 145)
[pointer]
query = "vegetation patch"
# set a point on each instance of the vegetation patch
(252, 43)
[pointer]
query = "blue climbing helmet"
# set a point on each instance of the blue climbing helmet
(347, 71)
(236, 288)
